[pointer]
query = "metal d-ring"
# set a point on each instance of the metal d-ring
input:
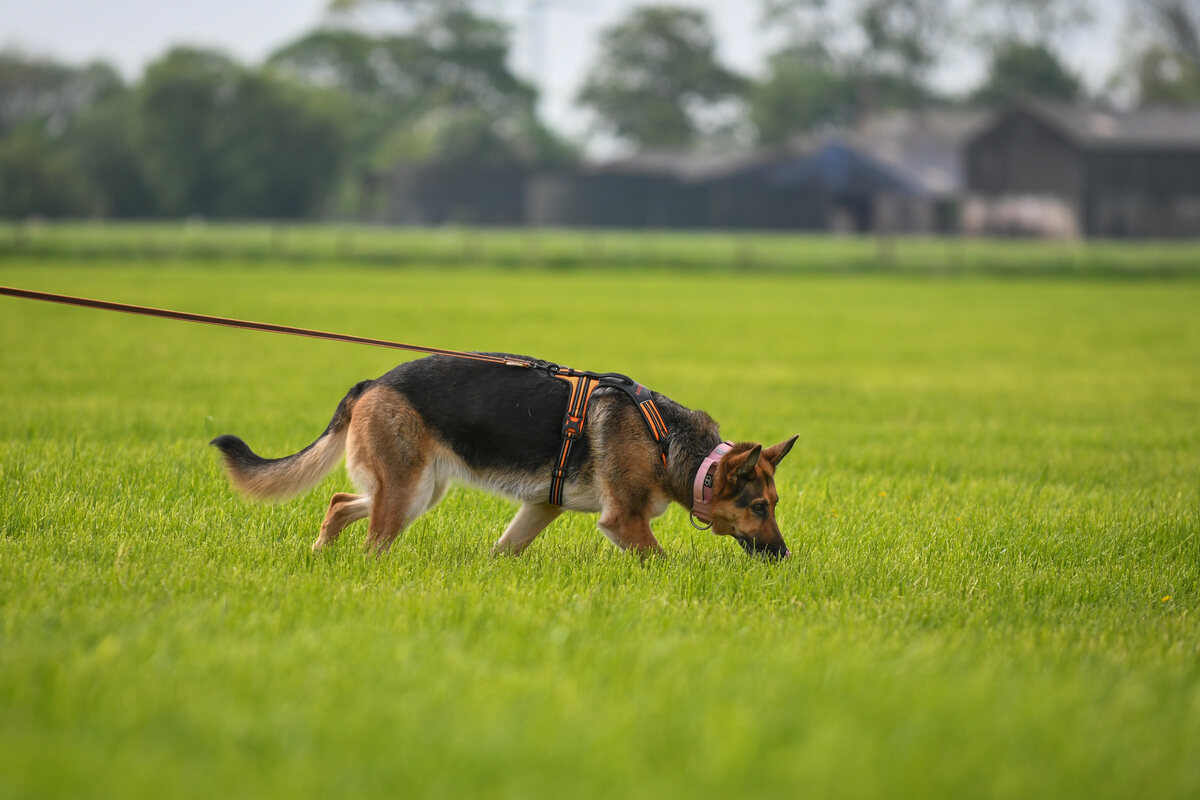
(692, 519)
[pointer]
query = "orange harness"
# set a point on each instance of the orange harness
(582, 385)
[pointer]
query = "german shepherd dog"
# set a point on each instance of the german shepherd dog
(408, 434)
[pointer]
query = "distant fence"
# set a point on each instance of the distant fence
(556, 248)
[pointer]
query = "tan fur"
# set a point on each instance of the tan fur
(343, 509)
(633, 487)
(392, 456)
(530, 520)
(280, 480)
(629, 532)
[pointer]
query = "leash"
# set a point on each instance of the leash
(580, 383)
(228, 322)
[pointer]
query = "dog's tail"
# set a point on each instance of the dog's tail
(281, 478)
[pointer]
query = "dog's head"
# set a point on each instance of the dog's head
(744, 498)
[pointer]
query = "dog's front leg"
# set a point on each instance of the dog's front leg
(629, 532)
(530, 520)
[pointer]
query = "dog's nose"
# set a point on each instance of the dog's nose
(766, 550)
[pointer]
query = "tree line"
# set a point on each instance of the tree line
(317, 127)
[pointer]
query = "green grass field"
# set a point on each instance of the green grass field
(588, 249)
(993, 510)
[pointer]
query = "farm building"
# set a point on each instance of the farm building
(924, 149)
(683, 190)
(649, 190)
(1036, 169)
(454, 194)
(821, 184)
(898, 173)
(1047, 168)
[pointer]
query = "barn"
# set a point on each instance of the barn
(1059, 169)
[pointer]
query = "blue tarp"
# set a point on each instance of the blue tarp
(836, 168)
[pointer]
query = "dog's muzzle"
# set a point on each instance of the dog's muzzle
(772, 550)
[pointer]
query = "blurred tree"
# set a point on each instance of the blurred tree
(40, 101)
(826, 72)
(808, 23)
(217, 139)
(1019, 70)
(1162, 61)
(1029, 22)
(457, 62)
(1158, 76)
(449, 56)
(37, 177)
(1177, 23)
(657, 76)
(439, 90)
(180, 98)
(470, 137)
(105, 157)
(45, 93)
(1021, 37)
(804, 89)
(905, 38)
(280, 149)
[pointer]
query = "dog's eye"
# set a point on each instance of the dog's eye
(760, 509)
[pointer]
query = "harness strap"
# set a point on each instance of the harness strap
(582, 385)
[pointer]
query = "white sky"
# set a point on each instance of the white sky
(131, 33)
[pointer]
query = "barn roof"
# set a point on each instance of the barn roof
(1097, 127)
(835, 166)
(924, 146)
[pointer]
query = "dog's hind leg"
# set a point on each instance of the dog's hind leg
(344, 508)
(530, 520)
(389, 516)
(392, 458)
(393, 509)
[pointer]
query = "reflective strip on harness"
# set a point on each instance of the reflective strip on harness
(582, 385)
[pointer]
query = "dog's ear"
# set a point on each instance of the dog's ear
(743, 464)
(775, 454)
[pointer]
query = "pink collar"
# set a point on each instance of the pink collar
(702, 486)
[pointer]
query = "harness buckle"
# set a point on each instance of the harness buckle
(572, 427)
